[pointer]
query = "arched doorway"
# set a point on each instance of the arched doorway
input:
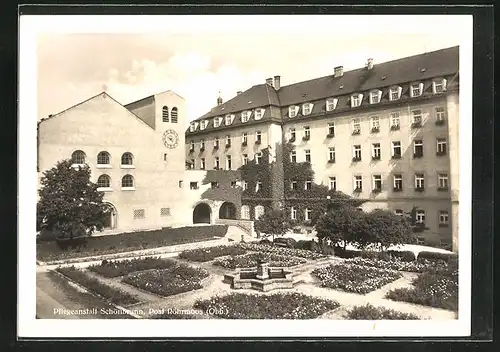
(111, 217)
(202, 214)
(227, 211)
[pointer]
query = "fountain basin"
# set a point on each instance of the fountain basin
(261, 278)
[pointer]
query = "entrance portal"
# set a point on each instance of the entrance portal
(227, 211)
(202, 214)
(110, 220)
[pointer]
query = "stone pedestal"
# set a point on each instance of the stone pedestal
(262, 271)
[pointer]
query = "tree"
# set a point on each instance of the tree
(70, 205)
(386, 229)
(274, 222)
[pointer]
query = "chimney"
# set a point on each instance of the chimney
(277, 84)
(219, 99)
(239, 92)
(269, 81)
(369, 64)
(338, 71)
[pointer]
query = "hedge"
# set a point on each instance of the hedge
(437, 256)
(369, 312)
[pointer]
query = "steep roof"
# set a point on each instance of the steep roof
(420, 67)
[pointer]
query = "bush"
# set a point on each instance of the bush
(406, 256)
(110, 293)
(370, 254)
(207, 254)
(369, 312)
(285, 242)
(308, 245)
(170, 281)
(123, 267)
(347, 253)
(265, 241)
(355, 278)
(436, 256)
(250, 260)
(293, 305)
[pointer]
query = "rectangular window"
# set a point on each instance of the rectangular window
(398, 182)
(228, 162)
(330, 104)
(440, 115)
(216, 122)
(233, 184)
(355, 100)
(193, 185)
(332, 183)
(258, 158)
(307, 133)
(307, 214)
(164, 156)
(245, 159)
(441, 146)
(258, 137)
(358, 183)
(416, 118)
(139, 213)
(244, 138)
(293, 213)
(258, 186)
(216, 142)
(180, 184)
(418, 148)
(258, 114)
(244, 116)
(307, 153)
(228, 120)
(443, 181)
(292, 134)
(395, 121)
(214, 184)
(164, 212)
(377, 183)
(293, 185)
(192, 146)
(356, 150)
(202, 145)
(394, 94)
(438, 86)
(228, 141)
(331, 154)
(376, 151)
(306, 109)
(415, 90)
(192, 164)
(308, 185)
(420, 218)
(245, 185)
(419, 181)
(292, 111)
(443, 219)
(356, 126)
(375, 122)
(217, 163)
(293, 156)
(331, 129)
(396, 150)
(398, 212)
(203, 164)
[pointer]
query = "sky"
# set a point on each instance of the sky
(198, 56)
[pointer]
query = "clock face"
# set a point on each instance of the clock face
(170, 139)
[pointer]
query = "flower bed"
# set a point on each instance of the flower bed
(210, 253)
(292, 305)
(124, 267)
(166, 282)
(399, 265)
(112, 294)
(354, 278)
(131, 242)
(250, 260)
(434, 288)
(267, 248)
(369, 312)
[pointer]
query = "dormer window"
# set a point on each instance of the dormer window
(331, 104)
(191, 127)
(259, 113)
(293, 110)
(375, 96)
(395, 93)
(245, 116)
(217, 121)
(229, 119)
(416, 89)
(356, 100)
(439, 86)
(307, 108)
(203, 124)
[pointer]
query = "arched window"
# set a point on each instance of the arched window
(245, 212)
(174, 115)
(259, 211)
(164, 113)
(127, 181)
(104, 181)
(78, 157)
(103, 158)
(127, 159)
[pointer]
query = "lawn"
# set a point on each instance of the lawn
(250, 260)
(210, 253)
(433, 288)
(112, 294)
(355, 278)
(123, 267)
(131, 241)
(170, 281)
(291, 305)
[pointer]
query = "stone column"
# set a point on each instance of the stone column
(262, 271)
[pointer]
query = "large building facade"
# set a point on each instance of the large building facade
(387, 133)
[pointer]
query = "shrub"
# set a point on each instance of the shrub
(369, 254)
(170, 281)
(265, 241)
(346, 253)
(250, 260)
(354, 278)
(369, 312)
(285, 242)
(207, 254)
(112, 294)
(308, 245)
(293, 305)
(123, 267)
(406, 256)
(437, 256)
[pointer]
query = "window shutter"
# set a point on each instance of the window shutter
(379, 95)
(444, 83)
(400, 90)
(421, 87)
